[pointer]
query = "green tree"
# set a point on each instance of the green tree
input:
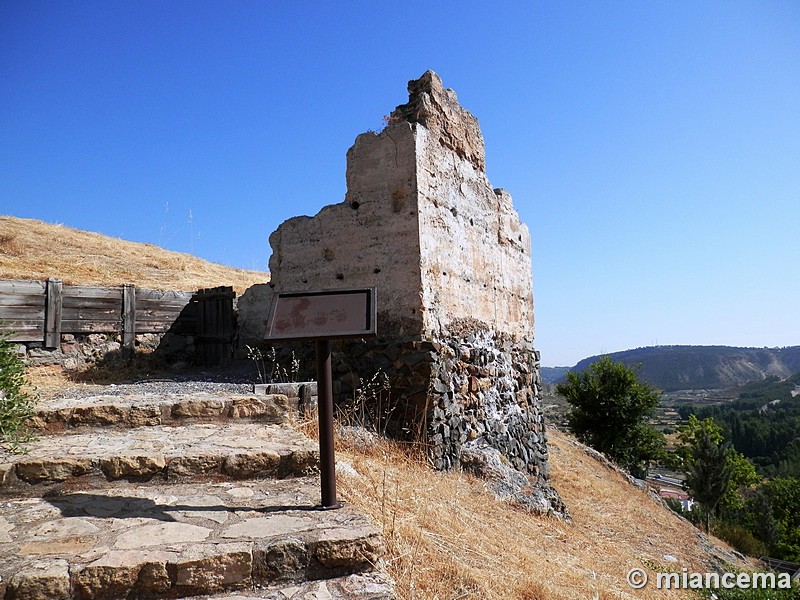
(784, 496)
(16, 403)
(610, 410)
(707, 463)
(743, 478)
(690, 449)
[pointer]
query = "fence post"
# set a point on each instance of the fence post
(52, 321)
(128, 316)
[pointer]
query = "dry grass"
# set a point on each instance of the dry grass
(448, 538)
(32, 249)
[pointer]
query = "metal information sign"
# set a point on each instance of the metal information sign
(322, 316)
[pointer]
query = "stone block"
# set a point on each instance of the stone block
(102, 414)
(280, 560)
(273, 408)
(34, 470)
(198, 408)
(209, 569)
(141, 415)
(354, 548)
(246, 466)
(40, 580)
(117, 467)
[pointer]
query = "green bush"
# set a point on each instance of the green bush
(740, 538)
(16, 403)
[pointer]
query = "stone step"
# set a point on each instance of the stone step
(137, 410)
(360, 586)
(159, 454)
(184, 540)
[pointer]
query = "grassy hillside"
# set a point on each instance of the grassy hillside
(447, 536)
(32, 249)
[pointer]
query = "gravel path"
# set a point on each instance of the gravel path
(237, 378)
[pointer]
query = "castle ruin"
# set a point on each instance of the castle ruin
(451, 263)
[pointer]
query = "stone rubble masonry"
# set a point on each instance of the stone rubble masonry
(77, 351)
(451, 263)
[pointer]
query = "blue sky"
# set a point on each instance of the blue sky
(653, 148)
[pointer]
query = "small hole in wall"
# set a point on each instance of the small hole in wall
(454, 211)
(376, 270)
(305, 280)
(471, 222)
(340, 276)
(444, 273)
(354, 205)
(520, 238)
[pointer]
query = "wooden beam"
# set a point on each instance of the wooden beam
(128, 316)
(52, 325)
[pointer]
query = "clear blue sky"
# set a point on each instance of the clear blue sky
(653, 148)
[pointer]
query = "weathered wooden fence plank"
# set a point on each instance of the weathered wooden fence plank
(83, 291)
(89, 313)
(128, 316)
(91, 327)
(28, 301)
(28, 288)
(30, 313)
(20, 331)
(163, 296)
(52, 315)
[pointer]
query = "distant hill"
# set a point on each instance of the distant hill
(554, 374)
(673, 368)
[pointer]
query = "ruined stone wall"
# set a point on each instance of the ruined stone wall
(451, 263)
(475, 252)
(370, 239)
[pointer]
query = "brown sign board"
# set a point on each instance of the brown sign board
(325, 314)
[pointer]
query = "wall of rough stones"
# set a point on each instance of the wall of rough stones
(451, 263)
(78, 351)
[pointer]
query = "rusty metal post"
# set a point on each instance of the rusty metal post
(327, 457)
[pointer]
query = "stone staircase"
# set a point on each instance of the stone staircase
(197, 495)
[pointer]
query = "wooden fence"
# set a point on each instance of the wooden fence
(40, 311)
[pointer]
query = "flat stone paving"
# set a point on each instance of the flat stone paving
(178, 540)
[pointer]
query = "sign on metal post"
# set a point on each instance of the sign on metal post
(322, 316)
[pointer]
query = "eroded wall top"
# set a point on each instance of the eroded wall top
(421, 222)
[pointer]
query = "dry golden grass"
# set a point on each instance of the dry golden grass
(448, 538)
(32, 249)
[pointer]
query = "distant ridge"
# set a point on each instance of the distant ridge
(673, 368)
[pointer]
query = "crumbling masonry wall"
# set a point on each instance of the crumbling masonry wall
(451, 263)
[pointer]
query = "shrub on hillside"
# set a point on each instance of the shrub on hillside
(740, 538)
(16, 403)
